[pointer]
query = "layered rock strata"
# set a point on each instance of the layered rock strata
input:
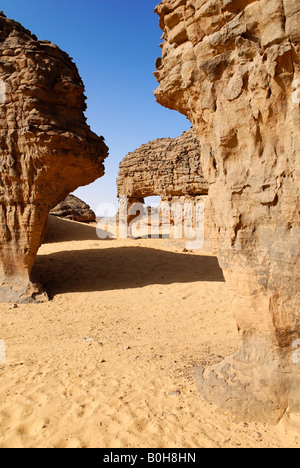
(47, 149)
(166, 167)
(233, 68)
(74, 209)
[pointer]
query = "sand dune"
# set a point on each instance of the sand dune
(109, 361)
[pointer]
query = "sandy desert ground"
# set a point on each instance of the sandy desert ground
(108, 362)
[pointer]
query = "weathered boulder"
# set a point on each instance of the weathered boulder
(166, 167)
(74, 209)
(232, 67)
(47, 149)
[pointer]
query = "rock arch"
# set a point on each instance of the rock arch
(166, 167)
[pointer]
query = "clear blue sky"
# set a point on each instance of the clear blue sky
(115, 44)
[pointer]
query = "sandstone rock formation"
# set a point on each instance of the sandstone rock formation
(169, 168)
(161, 167)
(232, 66)
(47, 149)
(74, 209)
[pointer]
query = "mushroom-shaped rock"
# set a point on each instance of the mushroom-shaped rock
(47, 149)
(233, 68)
(165, 167)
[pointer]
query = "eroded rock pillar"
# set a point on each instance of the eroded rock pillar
(46, 149)
(232, 67)
(21, 228)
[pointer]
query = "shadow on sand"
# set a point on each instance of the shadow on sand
(63, 230)
(114, 268)
(121, 268)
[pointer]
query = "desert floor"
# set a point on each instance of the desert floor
(108, 361)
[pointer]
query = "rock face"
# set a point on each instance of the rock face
(169, 168)
(47, 149)
(232, 67)
(74, 209)
(165, 167)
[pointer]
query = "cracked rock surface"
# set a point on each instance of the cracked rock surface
(47, 149)
(232, 67)
(166, 167)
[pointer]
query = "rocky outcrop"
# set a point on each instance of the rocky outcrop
(166, 167)
(232, 66)
(74, 209)
(47, 149)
